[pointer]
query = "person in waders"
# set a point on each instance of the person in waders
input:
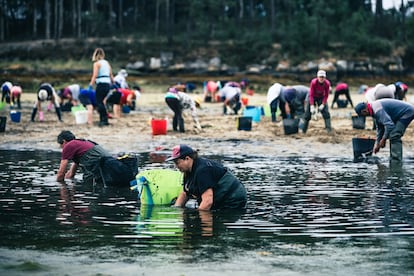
(96, 163)
(211, 184)
(392, 117)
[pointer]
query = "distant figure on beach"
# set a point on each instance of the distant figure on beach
(273, 95)
(342, 88)
(210, 90)
(293, 101)
(69, 96)
(16, 94)
(319, 90)
(5, 91)
(46, 92)
(207, 181)
(103, 78)
(400, 91)
(97, 164)
(178, 102)
(392, 117)
(75, 95)
(231, 97)
(129, 97)
(120, 79)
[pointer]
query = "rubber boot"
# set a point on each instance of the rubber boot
(396, 143)
(273, 117)
(58, 113)
(305, 126)
(175, 123)
(181, 125)
(328, 125)
(34, 111)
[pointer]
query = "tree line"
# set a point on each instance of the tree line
(302, 28)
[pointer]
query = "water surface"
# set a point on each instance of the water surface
(305, 216)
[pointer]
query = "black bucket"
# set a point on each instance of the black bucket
(244, 123)
(362, 147)
(342, 103)
(291, 126)
(3, 121)
(358, 122)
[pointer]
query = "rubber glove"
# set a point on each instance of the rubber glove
(312, 109)
(90, 87)
(288, 116)
(321, 107)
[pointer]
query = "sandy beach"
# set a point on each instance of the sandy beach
(219, 135)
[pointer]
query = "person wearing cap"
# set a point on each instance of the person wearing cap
(96, 163)
(120, 79)
(273, 95)
(207, 181)
(103, 78)
(392, 117)
(179, 101)
(46, 92)
(319, 90)
(342, 89)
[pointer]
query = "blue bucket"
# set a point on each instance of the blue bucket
(255, 113)
(15, 116)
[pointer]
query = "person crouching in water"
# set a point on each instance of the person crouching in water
(392, 118)
(96, 162)
(46, 92)
(209, 182)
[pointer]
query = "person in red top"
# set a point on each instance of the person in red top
(128, 96)
(342, 89)
(318, 97)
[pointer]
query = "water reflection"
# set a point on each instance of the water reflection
(323, 208)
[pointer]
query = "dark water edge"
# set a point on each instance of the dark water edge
(305, 216)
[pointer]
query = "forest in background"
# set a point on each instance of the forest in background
(239, 32)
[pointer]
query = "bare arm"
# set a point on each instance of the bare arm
(181, 200)
(72, 171)
(62, 169)
(96, 66)
(206, 200)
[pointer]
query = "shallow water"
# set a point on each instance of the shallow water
(305, 216)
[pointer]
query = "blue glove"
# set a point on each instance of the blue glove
(288, 116)
(90, 87)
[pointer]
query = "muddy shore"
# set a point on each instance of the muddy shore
(219, 135)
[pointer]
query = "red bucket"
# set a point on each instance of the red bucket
(159, 127)
(245, 100)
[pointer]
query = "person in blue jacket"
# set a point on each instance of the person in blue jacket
(392, 117)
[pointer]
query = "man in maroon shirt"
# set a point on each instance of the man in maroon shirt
(96, 163)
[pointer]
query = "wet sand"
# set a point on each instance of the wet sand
(219, 135)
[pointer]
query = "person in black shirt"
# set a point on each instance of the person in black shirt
(209, 182)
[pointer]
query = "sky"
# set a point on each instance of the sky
(388, 4)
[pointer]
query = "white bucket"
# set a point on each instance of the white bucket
(81, 117)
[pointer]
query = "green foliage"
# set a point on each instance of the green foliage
(304, 28)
